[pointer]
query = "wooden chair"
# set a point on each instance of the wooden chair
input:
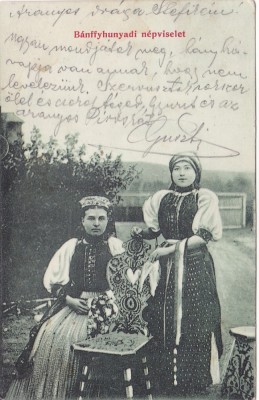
(128, 342)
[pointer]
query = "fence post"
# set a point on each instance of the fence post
(244, 210)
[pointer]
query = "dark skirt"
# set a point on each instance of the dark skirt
(185, 367)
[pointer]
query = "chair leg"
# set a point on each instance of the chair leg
(127, 382)
(83, 381)
(147, 379)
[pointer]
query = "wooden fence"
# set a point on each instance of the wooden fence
(233, 210)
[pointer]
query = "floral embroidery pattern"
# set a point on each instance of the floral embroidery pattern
(239, 378)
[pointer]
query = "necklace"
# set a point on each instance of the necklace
(182, 194)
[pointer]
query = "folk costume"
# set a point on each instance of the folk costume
(184, 314)
(48, 368)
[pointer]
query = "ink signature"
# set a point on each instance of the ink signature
(187, 131)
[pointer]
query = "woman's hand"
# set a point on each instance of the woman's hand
(136, 232)
(161, 252)
(78, 305)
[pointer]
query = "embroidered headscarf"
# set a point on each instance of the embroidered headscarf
(191, 158)
(95, 201)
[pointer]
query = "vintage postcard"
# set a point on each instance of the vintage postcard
(140, 115)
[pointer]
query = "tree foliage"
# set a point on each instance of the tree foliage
(41, 186)
(46, 176)
(47, 167)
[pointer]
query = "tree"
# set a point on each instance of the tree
(42, 184)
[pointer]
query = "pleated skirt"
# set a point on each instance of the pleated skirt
(56, 365)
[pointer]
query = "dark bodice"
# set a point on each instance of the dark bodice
(88, 266)
(176, 214)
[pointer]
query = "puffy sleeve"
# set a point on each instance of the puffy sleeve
(115, 246)
(57, 272)
(207, 219)
(150, 210)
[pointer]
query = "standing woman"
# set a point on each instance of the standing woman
(184, 315)
(47, 368)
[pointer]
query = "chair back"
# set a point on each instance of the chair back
(123, 275)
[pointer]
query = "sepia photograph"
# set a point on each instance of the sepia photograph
(128, 211)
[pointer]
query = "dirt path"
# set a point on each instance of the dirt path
(234, 258)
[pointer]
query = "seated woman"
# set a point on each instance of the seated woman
(47, 368)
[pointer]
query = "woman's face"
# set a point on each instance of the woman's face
(183, 174)
(95, 221)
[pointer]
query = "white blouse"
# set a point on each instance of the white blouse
(207, 216)
(59, 266)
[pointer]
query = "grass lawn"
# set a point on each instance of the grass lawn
(234, 258)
